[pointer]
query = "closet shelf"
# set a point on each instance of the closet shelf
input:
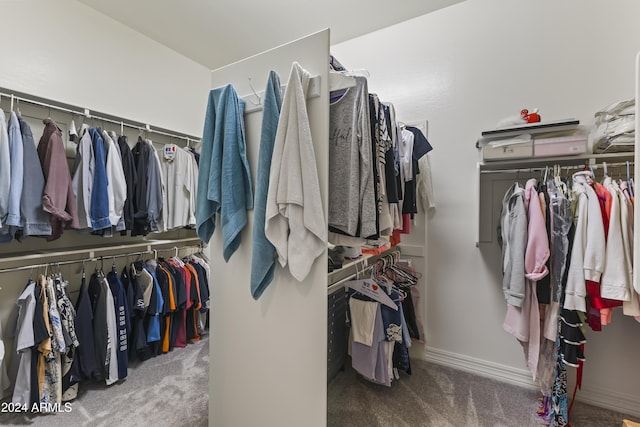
(91, 252)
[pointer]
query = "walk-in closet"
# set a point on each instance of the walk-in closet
(319, 214)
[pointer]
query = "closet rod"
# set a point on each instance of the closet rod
(91, 251)
(340, 283)
(74, 261)
(81, 260)
(542, 169)
(42, 102)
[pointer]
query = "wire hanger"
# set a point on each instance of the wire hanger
(254, 94)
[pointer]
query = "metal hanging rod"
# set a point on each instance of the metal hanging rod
(74, 261)
(595, 166)
(147, 246)
(85, 112)
(90, 259)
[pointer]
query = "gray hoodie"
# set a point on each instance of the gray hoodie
(512, 235)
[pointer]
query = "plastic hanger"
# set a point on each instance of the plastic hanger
(340, 81)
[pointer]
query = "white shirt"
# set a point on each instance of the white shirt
(176, 166)
(116, 182)
(82, 181)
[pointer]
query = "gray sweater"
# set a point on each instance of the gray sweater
(351, 187)
(513, 236)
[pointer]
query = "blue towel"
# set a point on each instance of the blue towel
(263, 258)
(224, 179)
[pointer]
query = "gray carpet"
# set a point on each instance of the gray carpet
(168, 390)
(437, 396)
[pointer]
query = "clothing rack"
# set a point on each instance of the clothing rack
(583, 166)
(120, 251)
(86, 113)
(355, 269)
(251, 106)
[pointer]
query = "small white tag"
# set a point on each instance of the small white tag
(170, 151)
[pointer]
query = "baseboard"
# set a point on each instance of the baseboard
(484, 368)
(610, 399)
(603, 398)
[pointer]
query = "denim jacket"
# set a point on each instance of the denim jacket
(11, 224)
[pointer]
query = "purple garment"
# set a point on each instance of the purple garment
(371, 361)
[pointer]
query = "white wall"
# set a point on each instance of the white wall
(66, 51)
(269, 357)
(464, 68)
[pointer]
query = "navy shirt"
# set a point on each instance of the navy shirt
(122, 321)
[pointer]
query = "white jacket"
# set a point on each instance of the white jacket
(116, 182)
(615, 278)
(588, 253)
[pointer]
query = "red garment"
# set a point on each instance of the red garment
(594, 301)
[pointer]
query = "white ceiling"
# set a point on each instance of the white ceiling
(218, 32)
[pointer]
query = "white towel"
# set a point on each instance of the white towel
(363, 320)
(295, 222)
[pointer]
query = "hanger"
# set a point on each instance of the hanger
(340, 81)
(373, 290)
(546, 172)
(604, 166)
(254, 94)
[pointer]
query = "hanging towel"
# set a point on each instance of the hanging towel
(224, 180)
(263, 260)
(295, 222)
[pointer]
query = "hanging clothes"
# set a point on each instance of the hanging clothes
(129, 169)
(155, 191)
(13, 220)
(58, 198)
(141, 152)
(295, 222)
(177, 170)
(25, 342)
(352, 202)
(122, 321)
(83, 178)
(116, 182)
(224, 181)
(5, 169)
(35, 220)
(263, 252)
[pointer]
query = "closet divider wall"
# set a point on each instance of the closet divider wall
(269, 357)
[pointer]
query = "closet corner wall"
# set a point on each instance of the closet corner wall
(269, 357)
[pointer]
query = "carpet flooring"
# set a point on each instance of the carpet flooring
(437, 396)
(168, 390)
(172, 390)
